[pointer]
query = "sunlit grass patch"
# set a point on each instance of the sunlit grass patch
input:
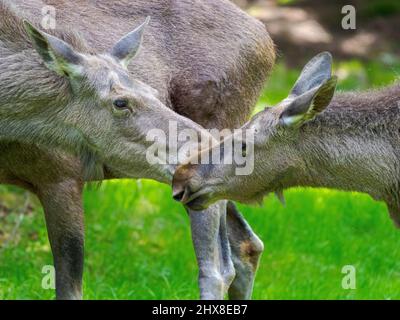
(138, 246)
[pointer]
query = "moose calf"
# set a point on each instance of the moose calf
(349, 141)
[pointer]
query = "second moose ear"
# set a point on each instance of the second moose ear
(128, 46)
(57, 55)
(312, 92)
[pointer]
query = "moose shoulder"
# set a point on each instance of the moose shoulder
(349, 141)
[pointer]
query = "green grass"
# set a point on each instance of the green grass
(138, 243)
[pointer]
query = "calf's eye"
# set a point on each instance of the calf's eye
(121, 104)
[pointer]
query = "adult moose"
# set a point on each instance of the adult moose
(350, 142)
(206, 60)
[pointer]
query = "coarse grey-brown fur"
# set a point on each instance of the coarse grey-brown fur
(207, 60)
(354, 145)
(350, 143)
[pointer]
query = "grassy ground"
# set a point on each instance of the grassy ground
(138, 243)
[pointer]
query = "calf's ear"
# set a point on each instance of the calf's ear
(57, 55)
(315, 72)
(128, 46)
(311, 93)
(306, 106)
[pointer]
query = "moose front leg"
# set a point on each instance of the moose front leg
(62, 203)
(212, 249)
(246, 250)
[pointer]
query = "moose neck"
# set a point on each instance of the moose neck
(353, 145)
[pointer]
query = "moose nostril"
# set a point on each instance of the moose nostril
(178, 196)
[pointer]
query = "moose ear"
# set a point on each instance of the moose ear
(315, 72)
(128, 46)
(306, 106)
(57, 55)
(312, 91)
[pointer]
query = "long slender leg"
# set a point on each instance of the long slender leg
(226, 266)
(62, 203)
(246, 252)
(212, 251)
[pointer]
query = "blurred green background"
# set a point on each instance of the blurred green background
(138, 243)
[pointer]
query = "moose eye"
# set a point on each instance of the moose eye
(121, 104)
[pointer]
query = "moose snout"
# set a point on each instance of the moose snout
(181, 189)
(178, 193)
(181, 193)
